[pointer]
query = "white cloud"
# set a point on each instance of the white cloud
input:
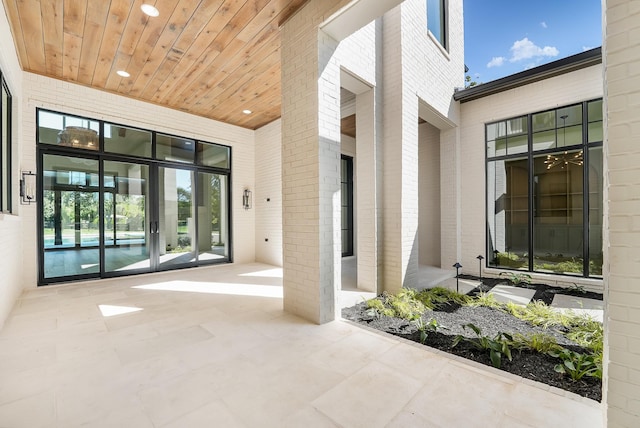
(586, 48)
(496, 61)
(525, 49)
(543, 24)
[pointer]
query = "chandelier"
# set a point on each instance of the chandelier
(564, 159)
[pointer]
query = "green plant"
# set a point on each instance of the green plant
(405, 304)
(589, 334)
(578, 365)
(402, 305)
(517, 277)
(497, 347)
(538, 342)
(440, 295)
(485, 299)
(425, 328)
(577, 289)
(377, 308)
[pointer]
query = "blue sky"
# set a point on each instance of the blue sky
(504, 37)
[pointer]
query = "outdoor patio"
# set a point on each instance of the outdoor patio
(213, 347)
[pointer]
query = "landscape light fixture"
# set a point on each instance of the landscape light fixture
(457, 266)
(480, 258)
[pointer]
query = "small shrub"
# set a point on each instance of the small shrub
(402, 305)
(578, 365)
(425, 328)
(184, 241)
(377, 308)
(405, 304)
(485, 299)
(538, 342)
(590, 335)
(497, 347)
(517, 278)
(577, 289)
(432, 297)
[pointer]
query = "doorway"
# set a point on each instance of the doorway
(137, 210)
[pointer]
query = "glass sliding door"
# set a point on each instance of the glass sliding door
(127, 222)
(70, 216)
(117, 200)
(213, 230)
(176, 230)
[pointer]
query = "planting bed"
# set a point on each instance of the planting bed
(451, 317)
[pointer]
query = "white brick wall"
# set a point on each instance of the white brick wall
(11, 266)
(268, 194)
(429, 193)
(311, 62)
(417, 69)
(622, 222)
(558, 91)
(70, 98)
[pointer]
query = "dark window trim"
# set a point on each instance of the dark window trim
(443, 38)
(530, 155)
(350, 226)
(556, 68)
(101, 156)
(5, 187)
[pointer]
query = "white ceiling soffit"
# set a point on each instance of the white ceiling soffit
(356, 15)
(352, 83)
(434, 117)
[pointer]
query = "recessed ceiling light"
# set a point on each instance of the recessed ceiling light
(123, 73)
(150, 10)
(247, 111)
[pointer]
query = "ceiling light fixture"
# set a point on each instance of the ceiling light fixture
(150, 10)
(247, 111)
(123, 73)
(564, 159)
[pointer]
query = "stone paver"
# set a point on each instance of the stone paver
(517, 295)
(579, 305)
(465, 285)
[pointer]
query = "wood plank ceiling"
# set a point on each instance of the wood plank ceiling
(212, 58)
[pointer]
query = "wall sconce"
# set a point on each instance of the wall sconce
(246, 199)
(28, 188)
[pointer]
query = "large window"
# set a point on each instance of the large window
(5, 147)
(544, 191)
(437, 20)
(118, 200)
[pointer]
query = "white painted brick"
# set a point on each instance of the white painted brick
(11, 264)
(581, 85)
(268, 154)
(622, 254)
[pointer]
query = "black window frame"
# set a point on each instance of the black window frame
(443, 21)
(530, 154)
(6, 175)
(102, 155)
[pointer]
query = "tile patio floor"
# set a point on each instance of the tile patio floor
(212, 347)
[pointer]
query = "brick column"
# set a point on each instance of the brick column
(450, 212)
(400, 180)
(310, 167)
(622, 213)
(366, 197)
